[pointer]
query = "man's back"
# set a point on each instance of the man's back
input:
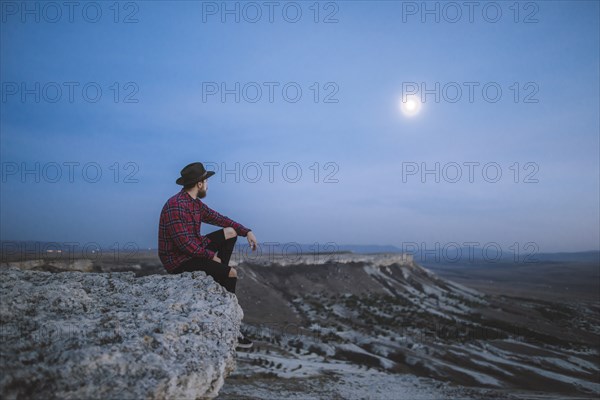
(179, 230)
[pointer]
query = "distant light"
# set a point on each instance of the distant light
(410, 106)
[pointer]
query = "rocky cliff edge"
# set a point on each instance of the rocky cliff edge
(75, 335)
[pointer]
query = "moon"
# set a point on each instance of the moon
(410, 106)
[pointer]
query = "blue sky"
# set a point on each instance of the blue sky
(168, 57)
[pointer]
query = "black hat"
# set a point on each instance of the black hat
(193, 173)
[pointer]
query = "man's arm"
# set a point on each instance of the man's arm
(212, 217)
(180, 229)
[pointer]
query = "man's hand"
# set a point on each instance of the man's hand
(252, 240)
(217, 259)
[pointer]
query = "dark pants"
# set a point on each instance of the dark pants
(219, 271)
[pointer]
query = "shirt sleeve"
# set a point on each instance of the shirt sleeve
(179, 229)
(212, 217)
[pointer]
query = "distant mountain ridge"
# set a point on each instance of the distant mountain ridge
(429, 256)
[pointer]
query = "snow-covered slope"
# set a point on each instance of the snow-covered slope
(387, 313)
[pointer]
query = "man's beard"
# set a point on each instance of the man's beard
(201, 194)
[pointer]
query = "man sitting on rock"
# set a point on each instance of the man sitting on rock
(181, 248)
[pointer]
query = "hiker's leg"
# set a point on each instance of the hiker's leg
(219, 272)
(230, 285)
(228, 246)
(223, 242)
(231, 281)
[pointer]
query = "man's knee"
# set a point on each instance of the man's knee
(229, 232)
(232, 273)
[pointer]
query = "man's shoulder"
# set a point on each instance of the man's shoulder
(177, 200)
(179, 197)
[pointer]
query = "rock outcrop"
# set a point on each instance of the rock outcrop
(75, 335)
(293, 256)
(49, 265)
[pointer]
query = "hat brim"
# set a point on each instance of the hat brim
(181, 181)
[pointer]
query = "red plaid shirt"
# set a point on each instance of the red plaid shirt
(179, 236)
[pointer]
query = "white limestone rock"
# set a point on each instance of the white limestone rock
(74, 335)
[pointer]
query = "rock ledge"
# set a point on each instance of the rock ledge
(75, 335)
